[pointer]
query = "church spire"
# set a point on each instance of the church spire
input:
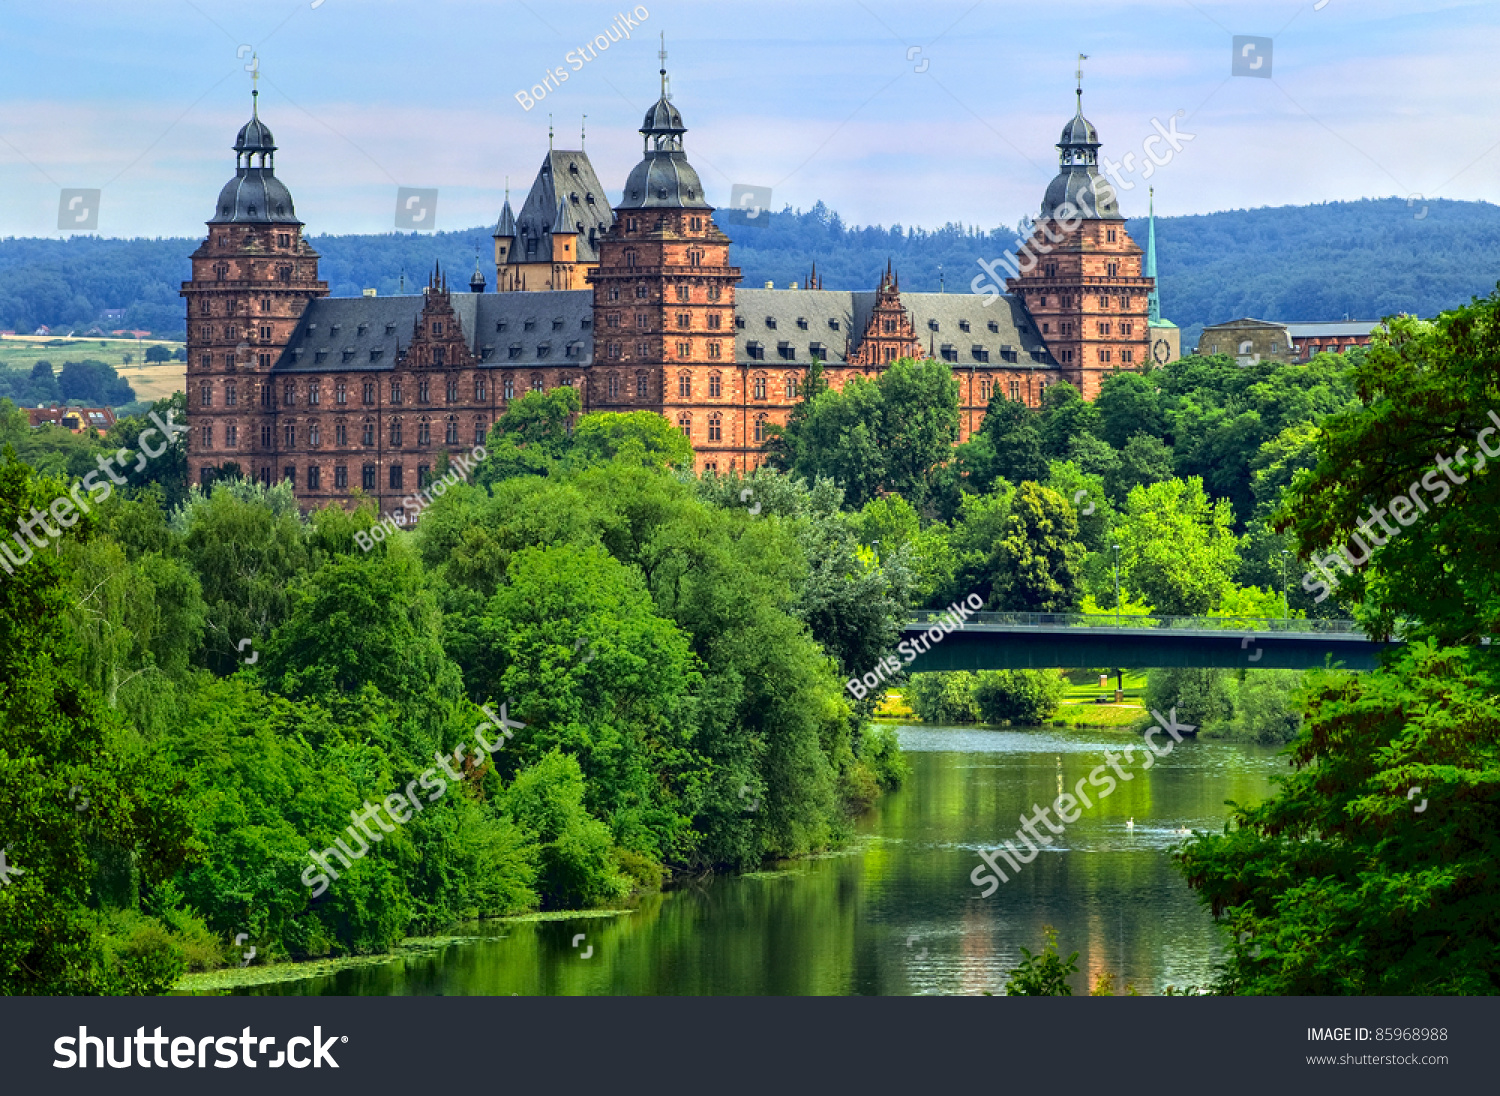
(1153, 299)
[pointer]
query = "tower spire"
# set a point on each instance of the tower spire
(583, 131)
(666, 92)
(1153, 300)
(549, 133)
(1082, 57)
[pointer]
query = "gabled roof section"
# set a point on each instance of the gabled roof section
(793, 320)
(1246, 321)
(365, 334)
(566, 180)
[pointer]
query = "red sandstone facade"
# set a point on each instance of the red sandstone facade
(363, 397)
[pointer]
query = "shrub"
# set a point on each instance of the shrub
(577, 865)
(943, 697)
(1044, 975)
(880, 749)
(1022, 697)
(1264, 708)
(1202, 697)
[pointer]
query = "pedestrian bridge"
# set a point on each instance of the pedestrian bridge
(1039, 641)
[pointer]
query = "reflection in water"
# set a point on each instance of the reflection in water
(896, 913)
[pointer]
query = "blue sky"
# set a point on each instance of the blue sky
(918, 114)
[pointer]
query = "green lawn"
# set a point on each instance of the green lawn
(151, 382)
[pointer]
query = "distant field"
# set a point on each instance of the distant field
(151, 382)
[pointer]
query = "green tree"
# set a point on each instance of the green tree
(1144, 460)
(1427, 392)
(1023, 698)
(642, 437)
(943, 697)
(245, 542)
(919, 424)
(1038, 558)
(1007, 446)
(893, 434)
(532, 437)
(64, 865)
(1177, 550)
(1128, 404)
(1348, 881)
(1066, 419)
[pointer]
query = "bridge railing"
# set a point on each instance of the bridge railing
(1244, 625)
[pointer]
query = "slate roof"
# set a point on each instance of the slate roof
(837, 320)
(566, 178)
(254, 195)
(346, 334)
(663, 180)
(1337, 329)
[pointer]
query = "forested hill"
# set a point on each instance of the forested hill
(1365, 259)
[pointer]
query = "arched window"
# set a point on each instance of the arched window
(367, 434)
(759, 386)
(791, 386)
(395, 432)
(479, 431)
(424, 431)
(536, 382)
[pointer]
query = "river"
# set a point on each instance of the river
(896, 913)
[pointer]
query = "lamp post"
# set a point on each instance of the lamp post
(1116, 547)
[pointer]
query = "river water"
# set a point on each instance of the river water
(896, 913)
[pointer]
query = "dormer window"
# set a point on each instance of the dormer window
(529, 325)
(802, 322)
(390, 329)
(932, 325)
(833, 325)
(995, 326)
(573, 170)
(557, 325)
(739, 321)
(500, 325)
(963, 325)
(363, 329)
(771, 322)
